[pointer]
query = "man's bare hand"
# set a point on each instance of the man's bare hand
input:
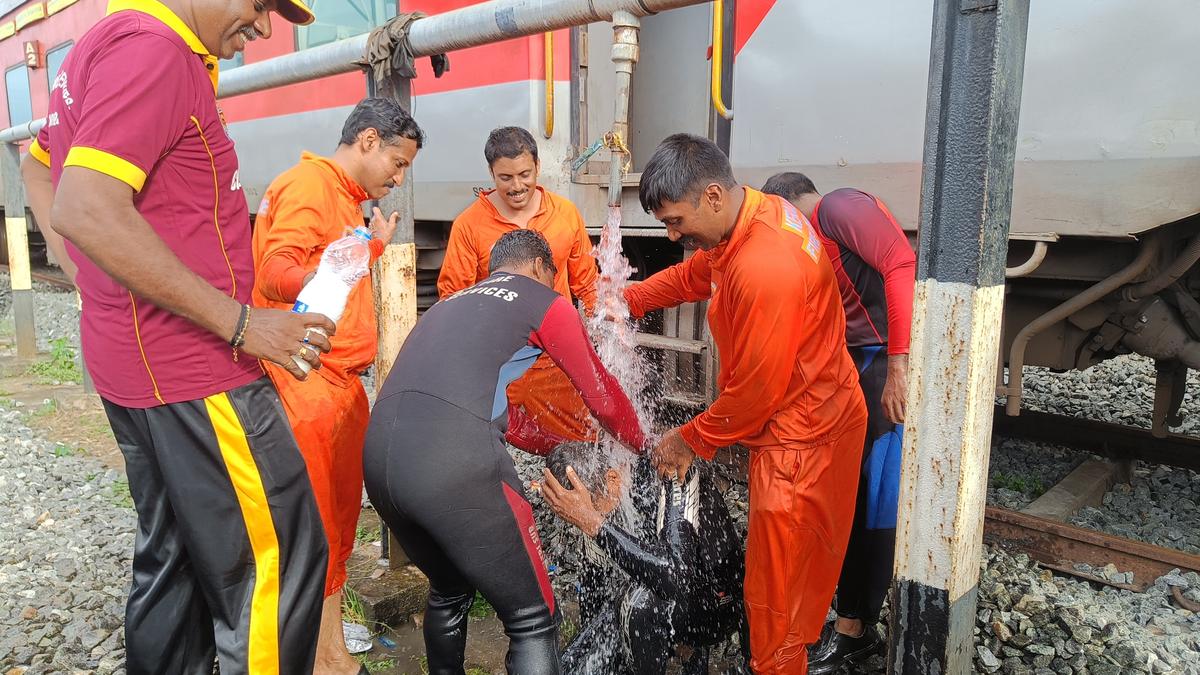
(572, 505)
(381, 228)
(895, 389)
(672, 457)
(276, 335)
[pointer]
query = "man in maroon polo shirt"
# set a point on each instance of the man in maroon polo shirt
(230, 556)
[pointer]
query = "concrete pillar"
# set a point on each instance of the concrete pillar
(976, 65)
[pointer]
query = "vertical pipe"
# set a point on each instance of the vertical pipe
(394, 281)
(548, 48)
(975, 76)
(624, 56)
(15, 228)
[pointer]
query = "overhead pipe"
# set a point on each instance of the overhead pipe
(1016, 355)
(1028, 267)
(465, 27)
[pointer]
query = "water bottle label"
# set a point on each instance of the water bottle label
(300, 307)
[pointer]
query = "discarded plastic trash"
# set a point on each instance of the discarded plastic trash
(386, 642)
(358, 638)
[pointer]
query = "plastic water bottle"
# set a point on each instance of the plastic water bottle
(342, 265)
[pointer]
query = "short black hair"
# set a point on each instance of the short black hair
(386, 117)
(789, 185)
(518, 247)
(509, 143)
(585, 458)
(682, 166)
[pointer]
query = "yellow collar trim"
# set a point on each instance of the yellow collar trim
(171, 20)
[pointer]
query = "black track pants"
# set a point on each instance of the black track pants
(442, 480)
(867, 569)
(229, 558)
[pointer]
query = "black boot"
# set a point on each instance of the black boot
(446, 631)
(835, 650)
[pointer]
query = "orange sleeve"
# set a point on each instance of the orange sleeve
(689, 281)
(461, 261)
(299, 210)
(581, 266)
(765, 294)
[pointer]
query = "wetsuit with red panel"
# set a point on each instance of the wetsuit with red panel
(438, 471)
(875, 268)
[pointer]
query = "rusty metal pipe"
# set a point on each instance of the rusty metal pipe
(624, 55)
(1016, 354)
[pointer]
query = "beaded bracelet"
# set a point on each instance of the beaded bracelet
(239, 336)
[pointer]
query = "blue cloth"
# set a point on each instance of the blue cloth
(883, 479)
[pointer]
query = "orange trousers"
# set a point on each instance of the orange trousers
(329, 413)
(552, 402)
(801, 510)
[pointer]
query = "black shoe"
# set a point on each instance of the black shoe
(835, 650)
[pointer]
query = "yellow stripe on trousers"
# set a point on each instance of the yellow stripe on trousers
(263, 657)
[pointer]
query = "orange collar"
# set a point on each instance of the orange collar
(347, 184)
(500, 217)
(723, 253)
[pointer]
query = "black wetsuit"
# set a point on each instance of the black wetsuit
(437, 470)
(686, 566)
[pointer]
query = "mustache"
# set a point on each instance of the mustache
(517, 193)
(250, 33)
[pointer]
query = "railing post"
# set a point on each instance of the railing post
(395, 278)
(15, 228)
(976, 66)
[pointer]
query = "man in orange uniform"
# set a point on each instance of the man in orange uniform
(307, 208)
(544, 394)
(789, 390)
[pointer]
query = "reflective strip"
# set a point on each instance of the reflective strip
(18, 253)
(263, 647)
(107, 164)
(39, 153)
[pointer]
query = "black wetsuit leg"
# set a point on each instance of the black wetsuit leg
(646, 630)
(443, 481)
(596, 650)
(867, 569)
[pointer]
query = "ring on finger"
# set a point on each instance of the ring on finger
(303, 353)
(307, 332)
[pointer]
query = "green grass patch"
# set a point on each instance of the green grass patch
(481, 607)
(374, 663)
(64, 450)
(120, 495)
(1022, 484)
(61, 367)
(353, 609)
(366, 534)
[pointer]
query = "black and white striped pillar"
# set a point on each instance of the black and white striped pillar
(975, 71)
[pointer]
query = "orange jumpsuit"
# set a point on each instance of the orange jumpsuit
(789, 391)
(544, 392)
(304, 210)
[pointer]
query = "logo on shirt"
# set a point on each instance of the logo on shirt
(236, 184)
(796, 223)
(60, 83)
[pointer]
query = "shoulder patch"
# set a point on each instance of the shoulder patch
(795, 223)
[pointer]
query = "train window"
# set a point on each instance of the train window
(54, 61)
(239, 59)
(20, 107)
(340, 19)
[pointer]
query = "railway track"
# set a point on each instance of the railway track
(1073, 550)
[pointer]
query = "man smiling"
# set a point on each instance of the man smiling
(543, 394)
(229, 559)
